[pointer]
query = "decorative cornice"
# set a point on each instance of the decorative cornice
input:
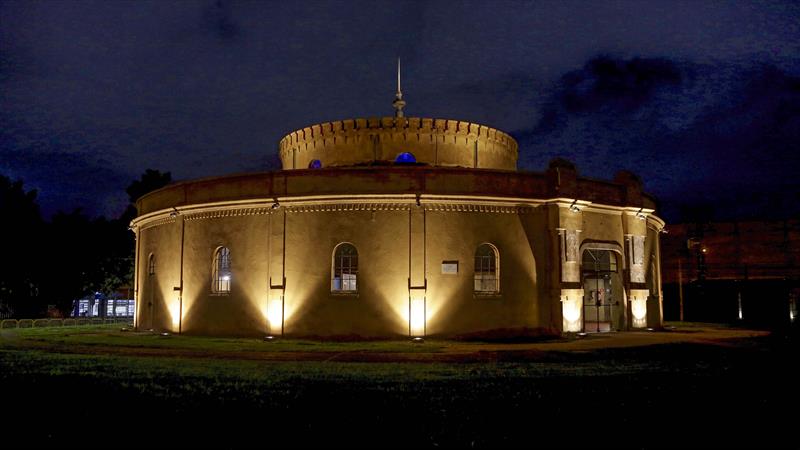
(466, 207)
(156, 222)
(403, 202)
(211, 214)
(333, 207)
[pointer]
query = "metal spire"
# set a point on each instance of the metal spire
(398, 102)
(399, 91)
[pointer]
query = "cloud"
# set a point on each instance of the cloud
(66, 181)
(723, 133)
(218, 18)
(625, 85)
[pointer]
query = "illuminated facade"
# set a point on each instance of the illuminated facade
(398, 226)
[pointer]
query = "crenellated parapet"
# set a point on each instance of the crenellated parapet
(436, 142)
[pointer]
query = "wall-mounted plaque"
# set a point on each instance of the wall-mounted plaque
(450, 267)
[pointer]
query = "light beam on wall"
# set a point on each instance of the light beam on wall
(639, 311)
(571, 309)
(175, 308)
(416, 314)
(275, 315)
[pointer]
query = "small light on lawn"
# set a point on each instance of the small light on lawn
(269, 338)
(417, 340)
(165, 334)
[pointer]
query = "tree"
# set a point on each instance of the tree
(68, 258)
(121, 268)
(114, 266)
(21, 233)
(76, 246)
(150, 181)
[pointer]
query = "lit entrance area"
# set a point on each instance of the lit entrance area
(602, 288)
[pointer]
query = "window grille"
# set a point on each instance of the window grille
(486, 269)
(221, 271)
(599, 261)
(151, 264)
(345, 269)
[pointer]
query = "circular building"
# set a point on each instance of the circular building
(398, 226)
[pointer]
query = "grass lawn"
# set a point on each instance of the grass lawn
(102, 387)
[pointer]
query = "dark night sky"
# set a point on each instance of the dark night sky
(701, 99)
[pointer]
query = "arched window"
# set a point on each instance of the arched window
(405, 158)
(599, 261)
(345, 268)
(151, 264)
(315, 164)
(487, 275)
(221, 271)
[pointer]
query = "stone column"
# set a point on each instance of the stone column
(562, 184)
(570, 221)
(637, 291)
(571, 288)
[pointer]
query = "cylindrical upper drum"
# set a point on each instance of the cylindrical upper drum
(435, 142)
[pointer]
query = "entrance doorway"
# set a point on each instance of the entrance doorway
(602, 289)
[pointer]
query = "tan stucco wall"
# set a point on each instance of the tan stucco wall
(156, 292)
(396, 241)
(240, 312)
(404, 221)
(379, 308)
(453, 306)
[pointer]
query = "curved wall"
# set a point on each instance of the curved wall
(436, 142)
(282, 227)
(285, 254)
(394, 181)
(383, 236)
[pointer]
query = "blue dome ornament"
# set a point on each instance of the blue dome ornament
(405, 158)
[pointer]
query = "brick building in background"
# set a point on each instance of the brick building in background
(732, 271)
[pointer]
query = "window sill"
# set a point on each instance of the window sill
(353, 294)
(220, 294)
(487, 295)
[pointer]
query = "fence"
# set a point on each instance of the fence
(42, 323)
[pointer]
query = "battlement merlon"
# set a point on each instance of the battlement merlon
(438, 142)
